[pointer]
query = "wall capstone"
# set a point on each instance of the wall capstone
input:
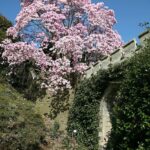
(118, 56)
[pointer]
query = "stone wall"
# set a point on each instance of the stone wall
(118, 56)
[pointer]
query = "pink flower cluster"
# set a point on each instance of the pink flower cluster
(73, 29)
(19, 52)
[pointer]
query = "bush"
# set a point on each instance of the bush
(4, 24)
(69, 143)
(20, 127)
(84, 113)
(25, 78)
(21, 79)
(131, 120)
(54, 131)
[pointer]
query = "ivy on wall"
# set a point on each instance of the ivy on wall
(129, 111)
(84, 114)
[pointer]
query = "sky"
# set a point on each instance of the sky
(129, 13)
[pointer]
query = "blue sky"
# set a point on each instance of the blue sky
(129, 14)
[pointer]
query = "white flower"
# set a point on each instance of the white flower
(74, 131)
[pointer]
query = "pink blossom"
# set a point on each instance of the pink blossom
(73, 34)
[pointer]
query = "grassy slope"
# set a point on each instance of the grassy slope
(18, 120)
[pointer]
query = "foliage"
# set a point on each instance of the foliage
(131, 120)
(59, 103)
(69, 143)
(20, 127)
(62, 37)
(145, 25)
(19, 76)
(54, 131)
(4, 25)
(129, 111)
(84, 112)
(25, 79)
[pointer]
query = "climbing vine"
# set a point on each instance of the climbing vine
(129, 107)
(130, 116)
(84, 114)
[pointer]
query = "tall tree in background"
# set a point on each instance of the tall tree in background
(4, 25)
(61, 37)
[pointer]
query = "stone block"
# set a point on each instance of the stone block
(145, 35)
(105, 63)
(129, 49)
(116, 57)
(89, 72)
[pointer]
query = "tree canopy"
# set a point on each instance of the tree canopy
(4, 24)
(62, 37)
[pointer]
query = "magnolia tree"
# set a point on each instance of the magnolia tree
(62, 37)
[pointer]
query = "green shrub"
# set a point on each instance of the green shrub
(25, 78)
(20, 127)
(54, 131)
(131, 115)
(4, 24)
(84, 112)
(69, 143)
(21, 78)
(130, 119)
